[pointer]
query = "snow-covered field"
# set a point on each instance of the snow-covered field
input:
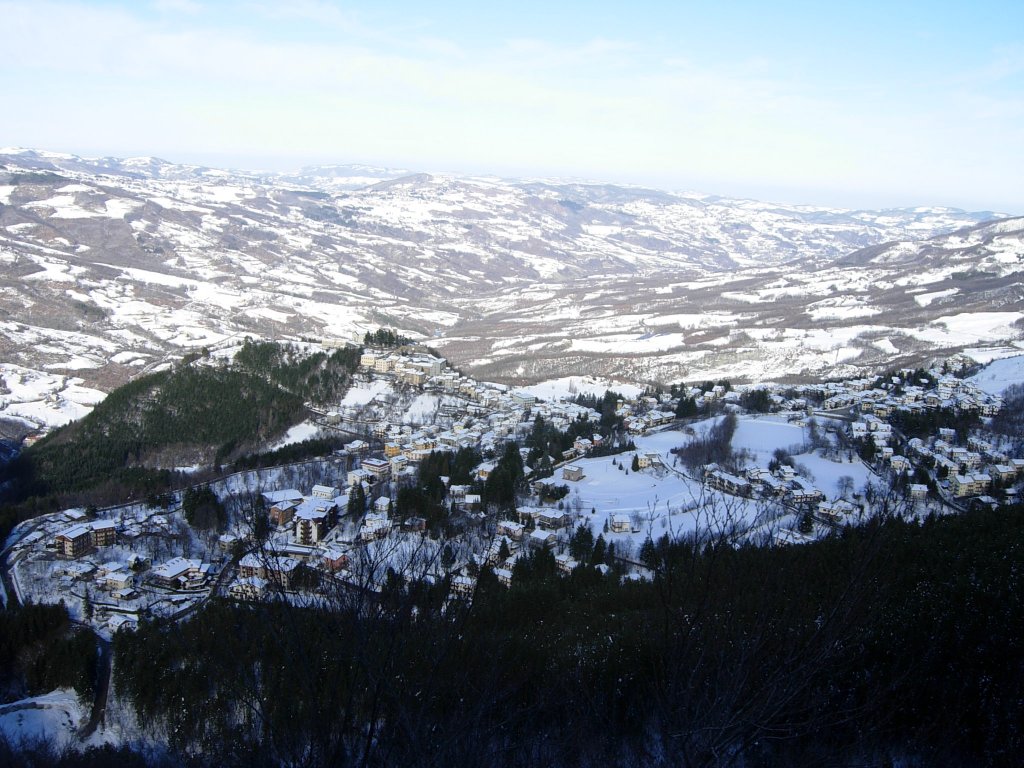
(54, 717)
(44, 399)
(666, 500)
(761, 436)
(568, 387)
(306, 430)
(999, 374)
(362, 393)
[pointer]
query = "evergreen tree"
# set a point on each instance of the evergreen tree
(356, 501)
(447, 556)
(867, 451)
(806, 525)
(203, 509)
(648, 552)
(582, 543)
(686, 408)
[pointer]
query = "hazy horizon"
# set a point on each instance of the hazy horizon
(867, 107)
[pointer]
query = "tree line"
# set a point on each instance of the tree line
(823, 653)
(40, 650)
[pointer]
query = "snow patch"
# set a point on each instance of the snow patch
(970, 328)
(297, 434)
(885, 345)
(1000, 374)
(54, 716)
(568, 387)
(362, 393)
(925, 299)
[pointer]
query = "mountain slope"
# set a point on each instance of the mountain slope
(895, 304)
(110, 267)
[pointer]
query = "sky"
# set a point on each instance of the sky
(867, 104)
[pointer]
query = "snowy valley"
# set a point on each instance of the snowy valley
(114, 267)
(577, 394)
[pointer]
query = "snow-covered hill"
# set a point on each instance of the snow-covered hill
(899, 304)
(112, 266)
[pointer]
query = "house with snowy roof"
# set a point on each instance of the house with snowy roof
(973, 484)
(511, 529)
(541, 539)
(620, 523)
(725, 481)
(565, 563)
(801, 491)
(327, 492)
(313, 521)
(248, 588)
(573, 473)
(375, 526)
(379, 468)
(180, 573)
(84, 537)
(279, 570)
(463, 586)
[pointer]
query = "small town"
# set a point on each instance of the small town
(796, 463)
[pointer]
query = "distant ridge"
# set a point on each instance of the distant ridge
(112, 267)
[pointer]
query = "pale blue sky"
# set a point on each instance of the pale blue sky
(873, 104)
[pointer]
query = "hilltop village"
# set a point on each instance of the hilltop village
(445, 477)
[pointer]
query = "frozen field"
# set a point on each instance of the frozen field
(665, 500)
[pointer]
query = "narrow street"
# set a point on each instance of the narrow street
(99, 703)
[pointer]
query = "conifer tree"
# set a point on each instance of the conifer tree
(356, 501)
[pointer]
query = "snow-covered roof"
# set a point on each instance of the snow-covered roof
(288, 494)
(252, 581)
(251, 560)
(283, 564)
(75, 531)
(176, 567)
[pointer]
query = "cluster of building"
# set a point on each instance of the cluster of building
(181, 573)
(488, 414)
(409, 367)
(84, 537)
(971, 470)
(513, 539)
(652, 418)
(91, 563)
(940, 391)
(783, 483)
(307, 518)
(258, 572)
(312, 532)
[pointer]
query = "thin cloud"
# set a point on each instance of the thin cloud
(188, 7)
(356, 89)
